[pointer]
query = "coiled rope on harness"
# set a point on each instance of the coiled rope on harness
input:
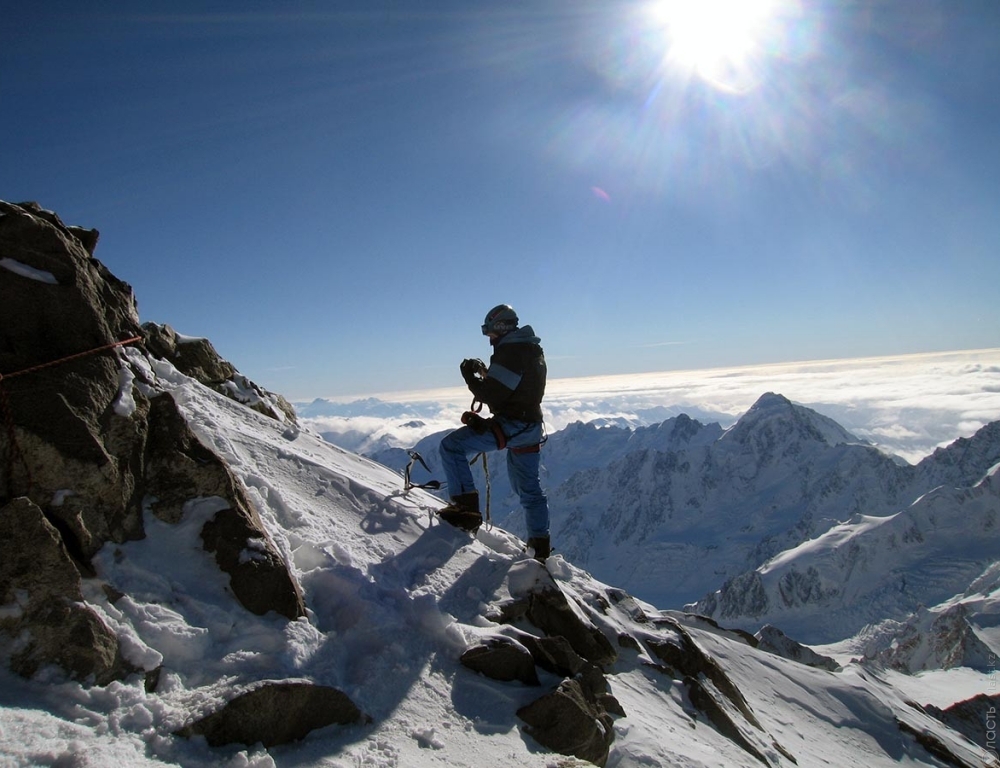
(14, 453)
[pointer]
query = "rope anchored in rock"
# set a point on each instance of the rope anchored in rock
(14, 452)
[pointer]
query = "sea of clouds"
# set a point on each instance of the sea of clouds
(907, 405)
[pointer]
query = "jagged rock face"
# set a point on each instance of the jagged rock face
(197, 358)
(82, 466)
(974, 718)
(57, 301)
(570, 721)
(773, 640)
(936, 640)
(50, 623)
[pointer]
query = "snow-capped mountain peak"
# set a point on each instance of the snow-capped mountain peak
(775, 421)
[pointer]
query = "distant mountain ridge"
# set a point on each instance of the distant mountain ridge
(684, 513)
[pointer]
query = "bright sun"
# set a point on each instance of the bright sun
(721, 41)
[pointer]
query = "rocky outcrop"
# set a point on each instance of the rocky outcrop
(275, 713)
(773, 640)
(710, 689)
(178, 469)
(940, 638)
(574, 718)
(680, 652)
(43, 617)
(89, 444)
(197, 358)
(539, 600)
(974, 718)
(570, 721)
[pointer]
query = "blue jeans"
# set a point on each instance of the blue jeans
(522, 468)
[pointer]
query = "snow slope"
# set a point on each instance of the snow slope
(871, 568)
(394, 598)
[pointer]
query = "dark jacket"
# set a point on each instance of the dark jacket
(515, 381)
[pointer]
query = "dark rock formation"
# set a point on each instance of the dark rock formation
(275, 713)
(501, 659)
(974, 718)
(554, 654)
(550, 611)
(575, 718)
(773, 640)
(87, 442)
(197, 358)
(711, 691)
(570, 721)
(51, 625)
(178, 469)
(681, 653)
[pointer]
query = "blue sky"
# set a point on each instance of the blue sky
(335, 193)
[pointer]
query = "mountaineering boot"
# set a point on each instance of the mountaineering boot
(541, 546)
(463, 512)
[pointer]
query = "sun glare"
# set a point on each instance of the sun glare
(720, 41)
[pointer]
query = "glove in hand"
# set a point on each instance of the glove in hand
(473, 371)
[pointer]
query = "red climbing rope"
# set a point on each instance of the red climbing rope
(15, 453)
(77, 356)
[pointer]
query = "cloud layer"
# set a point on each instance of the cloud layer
(908, 405)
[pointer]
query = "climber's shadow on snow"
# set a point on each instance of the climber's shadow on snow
(382, 518)
(490, 706)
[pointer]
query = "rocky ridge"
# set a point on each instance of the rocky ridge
(112, 454)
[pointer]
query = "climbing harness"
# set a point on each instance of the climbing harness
(480, 425)
(15, 453)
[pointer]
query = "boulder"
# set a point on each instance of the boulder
(554, 654)
(571, 722)
(275, 713)
(502, 659)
